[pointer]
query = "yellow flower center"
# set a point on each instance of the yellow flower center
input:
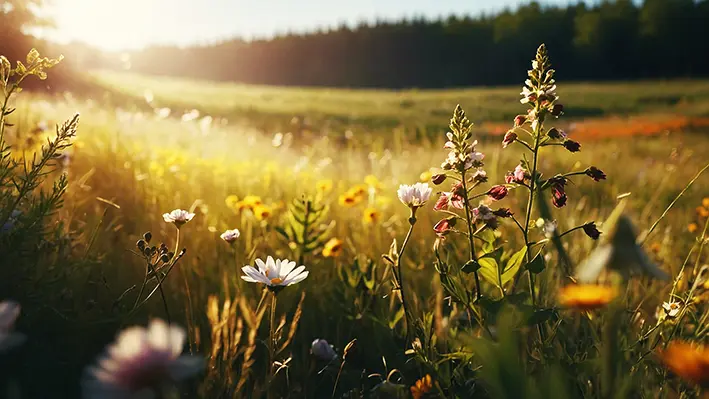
(276, 281)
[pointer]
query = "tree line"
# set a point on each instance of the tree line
(610, 40)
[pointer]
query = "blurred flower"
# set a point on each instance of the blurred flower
(586, 296)
(370, 215)
(178, 217)
(372, 181)
(509, 138)
(425, 176)
(262, 212)
(705, 202)
(486, 215)
(479, 176)
(278, 273)
(549, 227)
(687, 361)
(692, 227)
(421, 387)
(595, 173)
(671, 309)
(348, 200)
(322, 350)
(414, 196)
(503, 213)
(9, 312)
(591, 230)
(520, 120)
(230, 235)
(332, 248)
(359, 190)
(252, 201)
(702, 212)
(232, 201)
(141, 361)
(620, 252)
(572, 146)
(324, 186)
(497, 192)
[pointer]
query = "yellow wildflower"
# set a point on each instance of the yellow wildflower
(425, 176)
(705, 202)
(252, 201)
(349, 200)
(370, 216)
(262, 212)
(332, 248)
(232, 201)
(689, 362)
(324, 186)
(586, 296)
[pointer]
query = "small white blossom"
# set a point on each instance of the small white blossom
(274, 273)
(140, 362)
(414, 196)
(178, 217)
(230, 235)
(322, 350)
(672, 309)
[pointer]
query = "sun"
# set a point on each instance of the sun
(107, 25)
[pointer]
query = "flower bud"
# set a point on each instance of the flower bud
(147, 237)
(497, 192)
(140, 244)
(322, 350)
(572, 146)
(557, 110)
(520, 119)
(595, 173)
(503, 213)
(591, 230)
(509, 138)
(438, 178)
(556, 134)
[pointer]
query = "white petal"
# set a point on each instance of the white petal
(176, 340)
(261, 265)
(159, 335)
(286, 268)
(298, 278)
(294, 272)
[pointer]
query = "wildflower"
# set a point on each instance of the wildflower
(232, 201)
(178, 217)
(484, 214)
(595, 173)
(230, 235)
(705, 202)
(518, 176)
(140, 362)
(444, 225)
(372, 181)
(620, 252)
(348, 200)
(687, 361)
(520, 120)
(262, 212)
(556, 134)
(549, 227)
(9, 311)
(557, 110)
(324, 186)
(438, 178)
(479, 176)
(421, 387)
(322, 350)
(497, 192)
(332, 248)
(414, 196)
(692, 227)
(591, 230)
(671, 309)
(557, 190)
(359, 190)
(370, 215)
(572, 146)
(278, 273)
(509, 138)
(452, 198)
(586, 296)
(702, 212)
(252, 201)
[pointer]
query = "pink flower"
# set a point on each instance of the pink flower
(520, 120)
(444, 225)
(518, 176)
(140, 361)
(509, 138)
(558, 193)
(497, 192)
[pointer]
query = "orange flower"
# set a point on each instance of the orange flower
(705, 202)
(586, 296)
(687, 361)
(692, 227)
(421, 387)
(702, 211)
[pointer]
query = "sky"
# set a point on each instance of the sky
(132, 24)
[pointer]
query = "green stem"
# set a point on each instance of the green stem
(400, 278)
(471, 232)
(271, 342)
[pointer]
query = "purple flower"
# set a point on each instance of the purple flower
(141, 361)
(322, 350)
(497, 192)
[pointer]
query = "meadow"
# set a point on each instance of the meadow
(478, 307)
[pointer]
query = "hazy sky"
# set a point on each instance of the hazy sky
(129, 24)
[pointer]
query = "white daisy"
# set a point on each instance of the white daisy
(230, 235)
(414, 196)
(178, 217)
(141, 361)
(672, 309)
(281, 272)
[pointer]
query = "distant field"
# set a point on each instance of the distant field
(667, 104)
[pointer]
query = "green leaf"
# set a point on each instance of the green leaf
(470, 266)
(513, 265)
(488, 238)
(398, 316)
(488, 269)
(541, 316)
(536, 266)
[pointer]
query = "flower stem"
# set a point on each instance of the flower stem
(471, 232)
(407, 315)
(271, 343)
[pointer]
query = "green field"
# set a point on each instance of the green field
(77, 275)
